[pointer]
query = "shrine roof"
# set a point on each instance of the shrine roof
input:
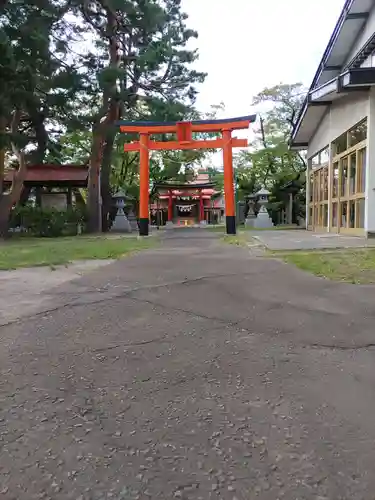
(191, 185)
(250, 118)
(75, 175)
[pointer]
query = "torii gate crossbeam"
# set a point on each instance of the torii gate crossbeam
(185, 141)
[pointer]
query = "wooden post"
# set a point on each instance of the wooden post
(290, 209)
(201, 207)
(2, 155)
(158, 223)
(170, 207)
(69, 197)
(230, 213)
(143, 185)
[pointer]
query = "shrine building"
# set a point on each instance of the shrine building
(186, 204)
(52, 185)
(336, 126)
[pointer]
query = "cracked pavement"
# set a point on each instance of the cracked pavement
(194, 370)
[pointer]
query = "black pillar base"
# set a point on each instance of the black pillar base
(143, 227)
(231, 224)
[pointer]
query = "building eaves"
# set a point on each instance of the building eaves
(352, 19)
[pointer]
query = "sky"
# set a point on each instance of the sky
(247, 45)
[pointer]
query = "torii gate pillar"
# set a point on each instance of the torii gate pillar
(144, 181)
(230, 206)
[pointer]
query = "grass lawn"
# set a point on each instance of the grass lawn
(273, 228)
(240, 239)
(218, 229)
(351, 266)
(28, 252)
(242, 227)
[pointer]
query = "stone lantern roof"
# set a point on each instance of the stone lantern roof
(263, 192)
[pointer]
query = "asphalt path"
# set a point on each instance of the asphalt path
(193, 370)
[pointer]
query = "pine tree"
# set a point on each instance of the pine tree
(69, 66)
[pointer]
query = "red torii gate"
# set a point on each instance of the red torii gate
(184, 132)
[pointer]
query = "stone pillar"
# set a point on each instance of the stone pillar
(121, 223)
(370, 168)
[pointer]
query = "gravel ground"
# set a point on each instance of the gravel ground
(26, 291)
(194, 370)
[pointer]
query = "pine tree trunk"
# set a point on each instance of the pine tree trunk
(93, 199)
(2, 157)
(105, 187)
(8, 201)
(110, 110)
(4, 217)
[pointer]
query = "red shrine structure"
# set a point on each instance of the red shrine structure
(43, 178)
(189, 136)
(186, 204)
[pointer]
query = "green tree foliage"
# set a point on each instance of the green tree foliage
(71, 68)
(124, 167)
(144, 71)
(269, 161)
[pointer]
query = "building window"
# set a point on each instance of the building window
(360, 213)
(353, 173)
(324, 156)
(344, 215)
(321, 158)
(315, 161)
(319, 184)
(318, 196)
(337, 189)
(334, 214)
(318, 205)
(340, 144)
(350, 138)
(344, 176)
(357, 134)
(361, 172)
(352, 214)
(335, 180)
(348, 179)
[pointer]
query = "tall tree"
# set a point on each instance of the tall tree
(269, 156)
(146, 74)
(75, 65)
(37, 84)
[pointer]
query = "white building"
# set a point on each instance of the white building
(337, 127)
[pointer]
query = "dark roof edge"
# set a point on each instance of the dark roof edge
(332, 40)
(250, 118)
(161, 185)
(325, 56)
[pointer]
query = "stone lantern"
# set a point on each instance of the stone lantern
(250, 217)
(121, 223)
(263, 220)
